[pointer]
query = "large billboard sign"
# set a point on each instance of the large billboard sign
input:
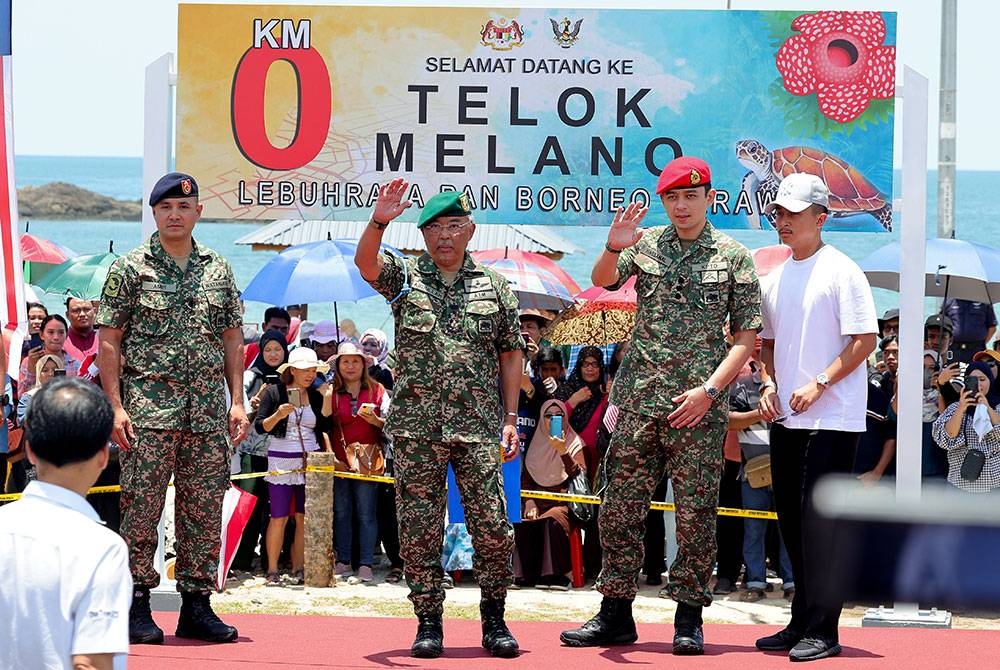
(547, 116)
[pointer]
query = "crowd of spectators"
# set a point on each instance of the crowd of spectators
(341, 387)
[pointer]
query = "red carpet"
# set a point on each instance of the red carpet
(272, 641)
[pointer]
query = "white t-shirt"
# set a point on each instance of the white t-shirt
(66, 586)
(811, 308)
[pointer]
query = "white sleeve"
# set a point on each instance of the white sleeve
(766, 311)
(855, 302)
(100, 622)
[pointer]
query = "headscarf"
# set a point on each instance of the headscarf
(42, 360)
(583, 411)
(544, 463)
(985, 369)
(383, 343)
(259, 364)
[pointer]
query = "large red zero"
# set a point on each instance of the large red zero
(249, 84)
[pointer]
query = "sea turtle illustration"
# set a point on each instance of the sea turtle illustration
(850, 191)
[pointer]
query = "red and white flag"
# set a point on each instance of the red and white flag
(14, 317)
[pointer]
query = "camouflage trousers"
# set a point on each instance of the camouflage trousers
(642, 451)
(200, 465)
(421, 499)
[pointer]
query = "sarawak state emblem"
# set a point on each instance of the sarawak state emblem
(565, 37)
(500, 36)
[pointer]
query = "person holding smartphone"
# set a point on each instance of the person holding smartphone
(272, 351)
(969, 431)
(297, 417)
(51, 338)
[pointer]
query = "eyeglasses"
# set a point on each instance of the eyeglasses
(437, 229)
(590, 364)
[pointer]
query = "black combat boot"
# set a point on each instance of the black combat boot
(688, 637)
(611, 626)
(429, 642)
(141, 627)
(496, 636)
(198, 621)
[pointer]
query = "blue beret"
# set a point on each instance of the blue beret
(173, 185)
(451, 203)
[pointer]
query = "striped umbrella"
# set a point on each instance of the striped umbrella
(534, 286)
(530, 258)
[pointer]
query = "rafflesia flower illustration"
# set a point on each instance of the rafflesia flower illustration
(840, 57)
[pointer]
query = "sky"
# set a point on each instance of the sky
(79, 66)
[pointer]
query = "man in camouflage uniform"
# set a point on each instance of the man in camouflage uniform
(170, 331)
(458, 355)
(671, 390)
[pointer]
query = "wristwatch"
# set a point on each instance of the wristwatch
(822, 379)
(711, 391)
(769, 384)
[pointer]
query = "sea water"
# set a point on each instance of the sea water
(977, 219)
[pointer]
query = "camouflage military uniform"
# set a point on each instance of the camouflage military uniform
(446, 407)
(685, 298)
(172, 387)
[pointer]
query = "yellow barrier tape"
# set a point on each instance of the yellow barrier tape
(538, 495)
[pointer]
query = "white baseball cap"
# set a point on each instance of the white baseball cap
(799, 190)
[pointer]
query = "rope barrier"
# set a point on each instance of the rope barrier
(538, 495)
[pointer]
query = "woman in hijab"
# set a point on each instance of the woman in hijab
(541, 540)
(586, 398)
(375, 343)
(968, 426)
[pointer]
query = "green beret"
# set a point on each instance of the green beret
(450, 203)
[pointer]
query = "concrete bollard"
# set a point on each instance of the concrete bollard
(319, 522)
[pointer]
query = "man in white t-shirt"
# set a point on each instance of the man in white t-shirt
(819, 327)
(66, 587)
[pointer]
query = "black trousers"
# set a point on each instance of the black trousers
(729, 529)
(799, 458)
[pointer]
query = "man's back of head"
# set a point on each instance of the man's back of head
(69, 421)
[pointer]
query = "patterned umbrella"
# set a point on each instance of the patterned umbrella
(599, 327)
(599, 298)
(529, 258)
(534, 286)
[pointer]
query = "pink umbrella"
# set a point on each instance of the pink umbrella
(40, 250)
(766, 259)
(237, 506)
(531, 258)
(599, 298)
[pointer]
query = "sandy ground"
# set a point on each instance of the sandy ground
(246, 593)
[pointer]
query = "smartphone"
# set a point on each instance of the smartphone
(35, 341)
(295, 397)
(555, 426)
(972, 384)
(62, 373)
(366, 408)
(271, 379)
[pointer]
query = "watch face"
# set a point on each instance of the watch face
(822, 378)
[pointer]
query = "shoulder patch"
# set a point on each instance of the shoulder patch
(113, 285)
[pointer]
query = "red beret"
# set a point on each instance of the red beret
(684, 172)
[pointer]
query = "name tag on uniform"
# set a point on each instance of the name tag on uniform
(216, 285)
(160, 287)
(713, 265)
(481, 295)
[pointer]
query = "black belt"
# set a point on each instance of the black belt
(969, 345)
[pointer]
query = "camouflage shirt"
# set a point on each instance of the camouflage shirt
(448, 345)
(684, 300)
(173, 373)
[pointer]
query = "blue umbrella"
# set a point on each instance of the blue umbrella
(953, 269)
(309, 273)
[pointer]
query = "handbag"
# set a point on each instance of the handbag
(758, 471)
(972, 465)
(363, 458)
(582, 513)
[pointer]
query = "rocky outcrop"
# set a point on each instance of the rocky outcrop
(66, 201)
